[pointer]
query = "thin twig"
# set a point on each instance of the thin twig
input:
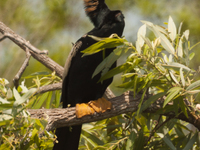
(50, 87)
(3, 38)
(36, 53)
(157, 127)
(22, 69)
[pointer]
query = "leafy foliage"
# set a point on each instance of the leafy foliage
(159, 67)
(17, 129)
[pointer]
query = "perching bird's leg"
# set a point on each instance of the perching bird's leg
(100, 106)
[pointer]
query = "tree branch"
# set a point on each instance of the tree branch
(120, 104)
(22, 69)
(36, 53)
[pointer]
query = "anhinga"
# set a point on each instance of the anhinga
(78, 85)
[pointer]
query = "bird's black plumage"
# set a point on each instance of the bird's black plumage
(78, 84)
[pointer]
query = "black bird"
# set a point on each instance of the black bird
(78, 85)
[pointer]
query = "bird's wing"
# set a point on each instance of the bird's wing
(72, 53)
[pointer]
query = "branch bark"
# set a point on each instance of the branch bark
(120, 104)
(36, 53)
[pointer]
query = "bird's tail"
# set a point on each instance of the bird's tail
(68, 138)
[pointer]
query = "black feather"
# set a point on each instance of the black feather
(78, 84)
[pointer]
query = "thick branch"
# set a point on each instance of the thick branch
(121, 104)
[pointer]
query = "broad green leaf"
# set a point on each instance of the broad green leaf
(6, 106)
(186, 34)
(148, 42)
(42, 73)
(115, 71)
(103, 44)
(25, 97)
(4, 117)
(3, 101)
(191, 142)
(140, 41)
(176, 66)
(127, 85)
(164, 41)
(151, 100)
(193, 85)
(183, 107)
(173, 77)
(141, 101)
(172, 93)
(167, 141)
(191, 56)
(16, 94)
(40, 101)
(180, 48)
(193, 92)
(93, 140)
(130, 141)
(140, 141)
(182, 77)
(172, 29)
(141, 33)
(9, 94)
(57, 98)
(156, 43)
(180, 27)
(48, 101)
(108, 61)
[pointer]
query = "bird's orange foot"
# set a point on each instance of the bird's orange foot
(99, 106)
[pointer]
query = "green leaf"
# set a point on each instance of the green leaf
(180, 48)
(25, 97)
(3, 101)
(141, 101)
(103, 44)
(131, 141)
(179, 29)
(151, 100)
(140, 141)
(164, 41)
(16, 94)
(40, 101)
(183, 106)
(115, 71)
(176, 66)
(186, 34)
(93, 140)
(48, 101)
(172, 29)
(167, 141)
(172, 93)
(182, 77)
(173, 77)
(148, 42)
(193, 85)
(108, 61)
(57, 99)
(191, 56)
(6, 106)
(191, 142)
(193, 92)
(140, 41)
